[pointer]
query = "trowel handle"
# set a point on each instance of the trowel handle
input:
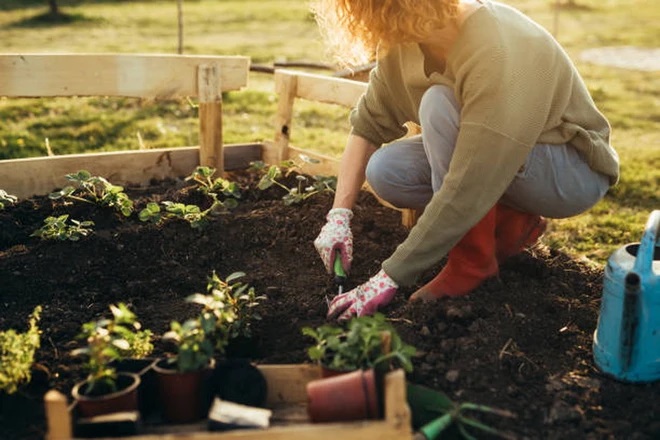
(646, 252)
(340, 274)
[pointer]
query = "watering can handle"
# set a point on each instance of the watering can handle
(644, 261)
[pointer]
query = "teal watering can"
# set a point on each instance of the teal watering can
(627, 338)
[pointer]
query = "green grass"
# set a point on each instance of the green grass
(276, 30)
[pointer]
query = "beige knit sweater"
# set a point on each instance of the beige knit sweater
(516, 87)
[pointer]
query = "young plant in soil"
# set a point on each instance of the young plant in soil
(219, 186)
(193, 214)
(361, 343)
(6, 199)
(62, 228)
(194, 344)
(198, 339)
(110, 340)
(242, 300)
(303, 189)
(17, 354)
(95, 189)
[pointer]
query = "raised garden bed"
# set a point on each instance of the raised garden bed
(521, 342)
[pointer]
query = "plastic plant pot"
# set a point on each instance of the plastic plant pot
(185, 397)
(345, 397)
(124, 399)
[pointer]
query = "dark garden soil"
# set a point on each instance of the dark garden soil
(521, 342)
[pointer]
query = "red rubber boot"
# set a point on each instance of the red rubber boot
(469, 263)
(515, 231)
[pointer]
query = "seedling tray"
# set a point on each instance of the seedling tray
(286, 398)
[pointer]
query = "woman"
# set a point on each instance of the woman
(509, 134)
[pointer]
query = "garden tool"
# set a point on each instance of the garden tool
(433, 413)
(626, 342)
(340, 276)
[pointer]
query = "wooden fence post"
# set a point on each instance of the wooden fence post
(210, 118)
(286, 88)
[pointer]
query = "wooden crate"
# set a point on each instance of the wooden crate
(287, 398)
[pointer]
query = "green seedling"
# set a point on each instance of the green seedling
(195, 347)
(62, 228)
(199, 338)
(433, 413)
(193, 214)
(17, 354)
(109, 340)
(303, 189)
(203, 176)
(6, 199)
(241, 299)
(95, 189)
(364, 342)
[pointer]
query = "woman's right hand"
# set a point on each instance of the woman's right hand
(336, 236)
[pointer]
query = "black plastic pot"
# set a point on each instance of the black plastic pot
(238, 381)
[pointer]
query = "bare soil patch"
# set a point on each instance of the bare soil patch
(521, 342)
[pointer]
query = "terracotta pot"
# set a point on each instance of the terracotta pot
(331, 372)
(185, 397)
(124, 399)
(345, 397)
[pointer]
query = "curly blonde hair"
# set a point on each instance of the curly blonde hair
(358, 31)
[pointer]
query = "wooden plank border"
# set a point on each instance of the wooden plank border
(154, 76)
(40, 175)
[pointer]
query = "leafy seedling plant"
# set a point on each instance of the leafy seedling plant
(363, 342)
(17, 354)
(192, 214)
(6, 199)
(197, 218)
(95, 189)
(434, 414)
(241, 299)
(194, 344)
(110, 340)
(218, 186)
(62, 228)
(198, 339)
(303, 189)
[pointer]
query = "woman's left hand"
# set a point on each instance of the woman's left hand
(364, 299)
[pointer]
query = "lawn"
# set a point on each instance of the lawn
(276, 30)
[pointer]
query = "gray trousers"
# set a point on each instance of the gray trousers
(555, 181)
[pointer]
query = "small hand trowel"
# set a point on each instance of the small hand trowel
(340, 276)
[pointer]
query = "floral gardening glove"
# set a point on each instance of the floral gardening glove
(336, 235)
(364, 299)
